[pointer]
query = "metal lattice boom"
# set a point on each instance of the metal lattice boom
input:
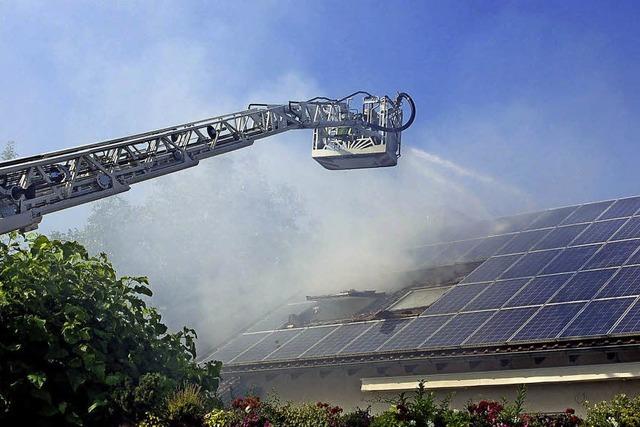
(31, 187)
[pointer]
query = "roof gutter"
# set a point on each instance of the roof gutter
(606, 372)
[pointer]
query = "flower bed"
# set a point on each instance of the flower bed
(419, 409)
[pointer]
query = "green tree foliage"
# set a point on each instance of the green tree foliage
(79, 345)
(9, 151)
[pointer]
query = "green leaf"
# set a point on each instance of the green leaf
(95, 405)
(39, 242)
(113, 379)
(76, 378)
(37, 379)
(143, 290)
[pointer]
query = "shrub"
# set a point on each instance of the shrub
(358, 418)
(186, 407)
(485, 413)
(421, 410)
(250, 411)
(511, 414)
(310, 415)
(76, 341)
(221, 418)
(565, 419)
(150, 394)
(150, 420)
(621, 411)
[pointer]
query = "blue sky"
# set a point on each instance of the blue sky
(540, 96)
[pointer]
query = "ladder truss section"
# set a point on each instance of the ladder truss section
(33, 186)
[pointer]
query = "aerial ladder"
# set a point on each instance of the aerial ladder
(343, 138)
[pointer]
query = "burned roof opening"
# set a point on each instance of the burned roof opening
(419, 298)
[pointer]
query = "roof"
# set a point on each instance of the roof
(556, 278)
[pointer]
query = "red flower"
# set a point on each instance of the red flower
(335, 410)
(248, 403)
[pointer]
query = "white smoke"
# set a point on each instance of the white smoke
(228, 240)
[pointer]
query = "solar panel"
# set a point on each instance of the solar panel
(236, 346)
(301, 343)
(375, 336)
(487, 247)
(491, 269)
(522, 242)
(496, 295)
(333, 343)
(501, 326)
(538, 290)
(630, 323)
(514, 223)
(548, 322)
(453, 252)
(415, 333)
(551, 218)
(427, 255)
(268, 345)
(625, 282)
(583, 286)
(530, 264)
(613, 254)
(560, 237)
(599, 232)
(597, 317)
(635, 259)
(458, 329)
(630, 230)
(456, 298)
(571, 259)
(546, 279)
(622, 207)
(587, 213)
(280, 316)
(468, 230)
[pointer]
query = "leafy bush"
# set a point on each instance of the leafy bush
(221, 418)
(253, 412)
(151, 392)
(186, 407)
(77, 342)
(565, 419)
(358, 418)
(421, 410)
(310, 415)
(622, 410)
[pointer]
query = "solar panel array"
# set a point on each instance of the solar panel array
(567, 273)
(554, 228)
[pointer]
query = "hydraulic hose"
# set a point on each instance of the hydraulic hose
(397, 102)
